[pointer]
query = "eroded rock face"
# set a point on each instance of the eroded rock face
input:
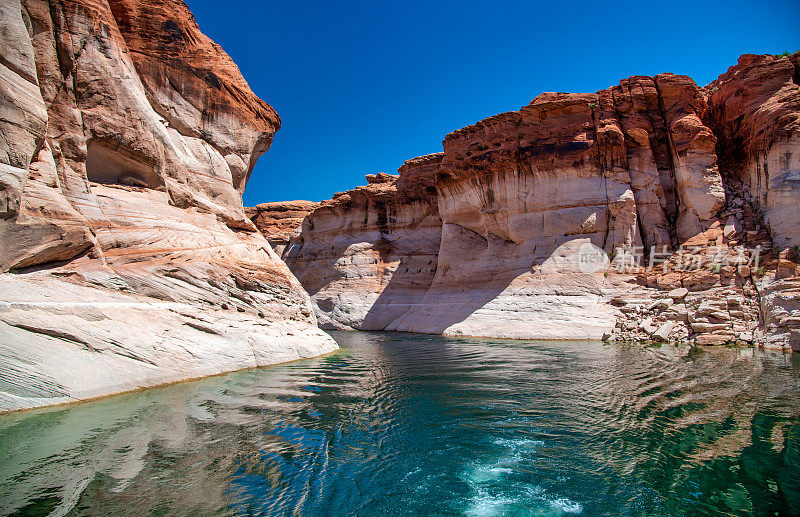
(280, 221)
(756, 107)
(520, 193)
(370, 253)
(648, 166)
(127, 140)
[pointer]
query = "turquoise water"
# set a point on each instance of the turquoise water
(399, 424)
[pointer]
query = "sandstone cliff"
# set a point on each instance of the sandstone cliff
(127, 139)
(369, 254)
(280, 221)
(755, 108)
(488, 238)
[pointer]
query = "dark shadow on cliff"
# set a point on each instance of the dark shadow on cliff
(418, 296)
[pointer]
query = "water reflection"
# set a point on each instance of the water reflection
(397, 423)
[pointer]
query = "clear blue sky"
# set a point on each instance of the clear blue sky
(363, 86)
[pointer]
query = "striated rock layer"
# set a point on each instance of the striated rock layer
(491, 237)
(127, 140)
(369, 254)
(280, 221)
(755, 108)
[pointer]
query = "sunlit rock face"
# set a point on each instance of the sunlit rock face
(524, 196)
(128, 138)
(755, 107)
(519, 190)
(280, 221)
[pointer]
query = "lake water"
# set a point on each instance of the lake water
(424, 425)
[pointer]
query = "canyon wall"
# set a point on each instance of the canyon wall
(280, 221)
(540, 223)
(755, 108)
(127, 140)
(369, 254)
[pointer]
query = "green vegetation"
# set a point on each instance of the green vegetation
(787, 53)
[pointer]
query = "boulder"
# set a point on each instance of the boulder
(678, 294)
(713, 339)
(733, 227)
(664, 332)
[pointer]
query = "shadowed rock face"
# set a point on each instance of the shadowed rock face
(756, 107)
(370, 253)
(127, 140)
(648, 164)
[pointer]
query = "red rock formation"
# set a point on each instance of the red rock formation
(521, 192)
(129, 137)
(755, 107)
(369, 253)
(417, 181)
(279, 221)
(524, 196)
(194, 84)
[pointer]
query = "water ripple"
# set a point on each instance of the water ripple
(410, 424)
